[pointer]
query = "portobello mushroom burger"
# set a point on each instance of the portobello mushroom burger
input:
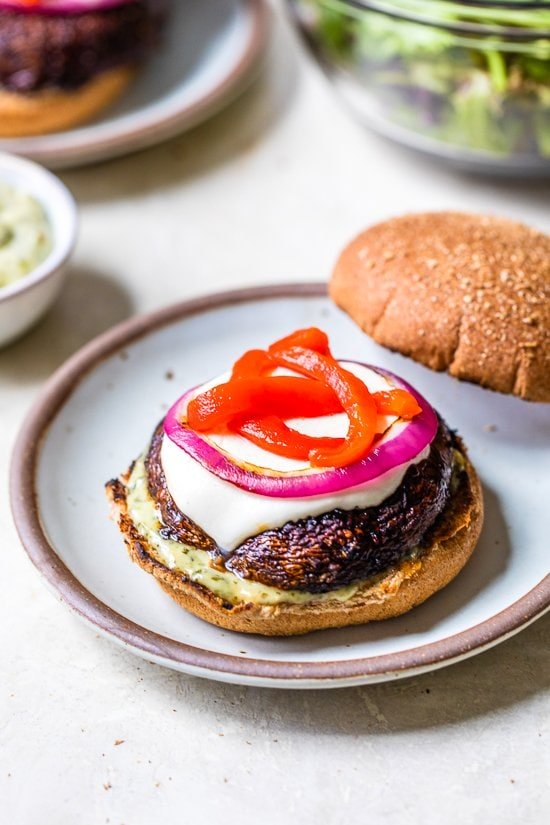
(63, 61)
(300, 492)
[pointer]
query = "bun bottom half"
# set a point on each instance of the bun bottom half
(55, 110)
(401, 588)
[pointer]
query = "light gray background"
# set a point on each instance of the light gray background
(268, 191)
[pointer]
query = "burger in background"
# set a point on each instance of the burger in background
(64, 61)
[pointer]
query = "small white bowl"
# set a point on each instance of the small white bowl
(23, 303)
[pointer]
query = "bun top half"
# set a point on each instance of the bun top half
(465, 293)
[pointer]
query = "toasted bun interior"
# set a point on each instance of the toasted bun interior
(399, 590)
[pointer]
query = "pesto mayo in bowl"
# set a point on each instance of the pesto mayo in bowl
(38, 228)
(25, 234)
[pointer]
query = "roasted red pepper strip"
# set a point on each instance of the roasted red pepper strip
(253, 402)
(354, 396)
(252, 364)
(281, 395)
(396, 402)
(272, 434)
(309, 338)
(258, 362)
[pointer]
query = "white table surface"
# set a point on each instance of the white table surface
(268, 191)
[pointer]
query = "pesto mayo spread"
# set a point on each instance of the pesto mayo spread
(196, 564)
(25, 234)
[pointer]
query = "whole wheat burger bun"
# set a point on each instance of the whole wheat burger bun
(465, 293)
(55, 110)
(397, 591)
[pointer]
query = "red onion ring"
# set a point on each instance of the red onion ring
(417, 435)
(62, 6)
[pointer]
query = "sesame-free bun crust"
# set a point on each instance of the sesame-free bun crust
(55, 110)
(401, 589)
(469, 294)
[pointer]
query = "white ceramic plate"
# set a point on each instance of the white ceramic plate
(98, 412)
(208, 55)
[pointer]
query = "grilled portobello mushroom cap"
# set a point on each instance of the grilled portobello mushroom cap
(325, 552)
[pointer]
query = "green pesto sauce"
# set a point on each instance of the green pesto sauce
(25, 234)
(459, 466)
(196, 564)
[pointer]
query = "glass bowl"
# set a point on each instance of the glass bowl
(465, 81)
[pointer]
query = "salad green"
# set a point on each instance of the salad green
(471, 76)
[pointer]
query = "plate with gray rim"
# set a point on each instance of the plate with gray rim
(97, 413)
